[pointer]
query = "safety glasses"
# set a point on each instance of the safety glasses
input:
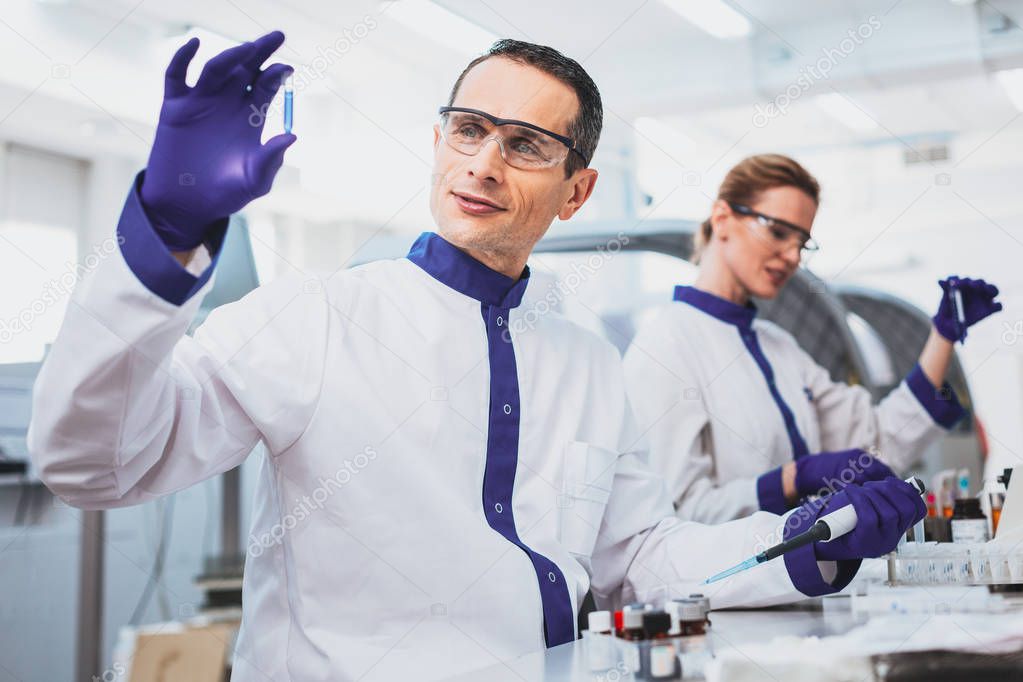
(777, 232)
(523, 145)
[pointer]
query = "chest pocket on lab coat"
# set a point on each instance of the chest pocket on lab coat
(589, 474)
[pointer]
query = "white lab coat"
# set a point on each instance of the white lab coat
(714, 426)
(371, 554)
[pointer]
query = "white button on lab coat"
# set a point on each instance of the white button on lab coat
(704, 399)
(392, 514)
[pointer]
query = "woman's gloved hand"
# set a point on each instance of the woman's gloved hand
(978, 301)
(781, 488)
(207, 161)
(828, 472)
(885, 510)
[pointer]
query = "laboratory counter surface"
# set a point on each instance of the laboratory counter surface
(730, 630)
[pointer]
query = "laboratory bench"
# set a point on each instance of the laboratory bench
(731, 630)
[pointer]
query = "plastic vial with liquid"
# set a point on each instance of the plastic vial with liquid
(694, 646)
(660, 661)
(632, 631)
(601, 648)
(704, 604)
(289, 102)
(997, 500)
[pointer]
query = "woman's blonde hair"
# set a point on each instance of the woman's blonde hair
(748, 179)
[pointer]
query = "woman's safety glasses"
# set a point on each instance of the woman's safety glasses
(777, 232)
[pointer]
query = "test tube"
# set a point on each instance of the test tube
(957, 305)
(964, 483)
(289, 99)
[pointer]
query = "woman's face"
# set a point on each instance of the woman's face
(763, 258)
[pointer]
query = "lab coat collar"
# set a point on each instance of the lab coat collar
(726, 311)
(453, 267)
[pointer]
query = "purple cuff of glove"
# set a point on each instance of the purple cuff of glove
(150, 259)
(801, 563)
(942, 404)
(770, 493)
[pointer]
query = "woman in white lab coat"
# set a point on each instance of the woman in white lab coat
(738, 416)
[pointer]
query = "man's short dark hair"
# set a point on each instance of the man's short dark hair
(585, 127)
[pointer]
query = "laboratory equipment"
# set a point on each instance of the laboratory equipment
(659, 660)
(956, 297)
(601, 651)
(632, 631)
(828, 527)
(651, 643)
(289, 101)
(969, 524)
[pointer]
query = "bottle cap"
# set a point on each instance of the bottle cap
(632, 619)
(968, 506)
(656, 623)
(704, 602)
(690, 610)
(599, 621)
(672, 609)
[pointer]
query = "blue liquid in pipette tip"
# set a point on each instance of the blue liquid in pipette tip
(289, 99)
(749, 563)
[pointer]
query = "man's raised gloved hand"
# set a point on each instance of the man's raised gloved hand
(207, 161)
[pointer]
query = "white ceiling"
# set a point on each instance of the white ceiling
(924, 71)
(924, 75)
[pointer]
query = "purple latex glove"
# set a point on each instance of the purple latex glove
(207, 161)
(978, 302)
(820, 474)
(828, 472)
(885, 510)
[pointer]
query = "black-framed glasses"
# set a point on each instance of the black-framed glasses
(523, 145)
(778, 232)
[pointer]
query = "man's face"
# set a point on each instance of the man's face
(481, 204)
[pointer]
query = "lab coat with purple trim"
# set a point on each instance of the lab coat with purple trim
(724, 397)
(442, 485)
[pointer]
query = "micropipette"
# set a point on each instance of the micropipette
(289, 98)
(828, 527)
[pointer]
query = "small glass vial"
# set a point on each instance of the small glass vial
(692, 618)
(632, 632)
(600, 645)
(660, 661)
(968, 522)
(704, 604)
(947, 499)
(694, 645)
(997, 500)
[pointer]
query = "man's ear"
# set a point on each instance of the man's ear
(582, 187)
(436, 136)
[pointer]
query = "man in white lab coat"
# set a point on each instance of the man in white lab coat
(439, 491)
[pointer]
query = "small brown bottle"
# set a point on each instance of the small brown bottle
(692, 618)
